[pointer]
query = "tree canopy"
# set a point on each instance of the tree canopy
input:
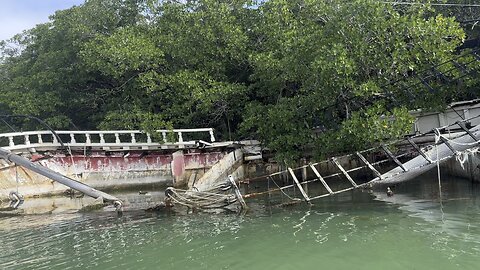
(294, 74)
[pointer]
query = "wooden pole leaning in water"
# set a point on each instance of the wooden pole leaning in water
(238, 194)
(73, 184)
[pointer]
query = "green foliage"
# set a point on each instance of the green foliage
(264, 70)
(343, 53)
(124, 52)
(374, 124)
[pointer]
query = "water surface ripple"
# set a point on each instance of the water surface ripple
(411, 230)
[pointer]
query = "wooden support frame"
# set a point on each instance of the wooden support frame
(334, 160)
(393, 157)
(369, 165)
(419, 150)
(315, 171)
(304, 194)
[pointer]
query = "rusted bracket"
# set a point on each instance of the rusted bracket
(370, 166)
(321, 179)
(334, 160)
(304, 194)
(393, 157)
(419, 150)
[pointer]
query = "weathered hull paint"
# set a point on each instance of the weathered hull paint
(465, 165)
(122, 170)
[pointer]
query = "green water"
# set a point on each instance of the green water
(357, 230)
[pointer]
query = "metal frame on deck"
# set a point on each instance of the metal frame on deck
(104, 140)
(468, 139)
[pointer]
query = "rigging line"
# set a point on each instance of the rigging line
(451, 107)
(8, 125)
(16, 176)
(293, 199)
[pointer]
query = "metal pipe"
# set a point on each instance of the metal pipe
(55, 176)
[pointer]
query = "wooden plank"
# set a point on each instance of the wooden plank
(419, 150)
(392, 157)
(238, 194)
(334, 160)
(321, 179)
(299, 185)
(370, 166)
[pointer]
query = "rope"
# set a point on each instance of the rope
(199, 199)
(16, 176)
(437, 139)
(462, 157)
(281, 189)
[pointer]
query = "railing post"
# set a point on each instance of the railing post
(72, 138)
(149, 139)
(10, 141)
(133, 137)
(55, 140)
(102, 139)
(117, 138)
(180, 138)
(40, 140)
(27, 139)
(88, 140)
(212, 137)
(164, 135)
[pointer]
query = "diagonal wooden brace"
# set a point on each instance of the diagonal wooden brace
(393, 157)
(304, 194)
(419, 150)
(464, 127)
(445, 141)
(334, 160)
(315, 171)
(369, 165)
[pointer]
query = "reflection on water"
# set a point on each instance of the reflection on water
(361, 230)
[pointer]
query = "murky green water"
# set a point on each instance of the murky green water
(353, 231)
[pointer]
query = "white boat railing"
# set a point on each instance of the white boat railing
(105, 140)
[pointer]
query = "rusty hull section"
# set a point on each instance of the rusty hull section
(108, 170)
